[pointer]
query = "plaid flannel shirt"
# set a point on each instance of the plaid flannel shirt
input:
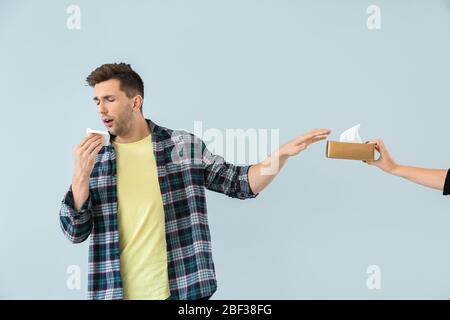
(185, 168)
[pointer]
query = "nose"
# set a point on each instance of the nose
(101, 108)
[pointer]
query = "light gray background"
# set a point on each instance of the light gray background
(291, 65)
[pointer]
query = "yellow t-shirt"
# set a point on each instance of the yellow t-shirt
(142, 237)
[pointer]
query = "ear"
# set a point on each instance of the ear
(137, 103)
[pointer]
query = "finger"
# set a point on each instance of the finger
(94, 146)
(82, 142)
(94, 138)
(378, 144)
(314, 133)
(325, 136)
(319, 132)
(314, 139)
(320, 138)
(375, 145)
(97, 149)
(375, 142)
(86, 141)
(95, 152)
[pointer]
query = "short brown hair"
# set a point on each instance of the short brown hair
(130, 82)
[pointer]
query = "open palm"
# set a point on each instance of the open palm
(297, 145)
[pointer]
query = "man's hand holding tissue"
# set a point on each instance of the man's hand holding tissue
(85, 153)
(432, 178)
(261, 174)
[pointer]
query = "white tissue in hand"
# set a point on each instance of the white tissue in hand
(351, 135)
(104, 134)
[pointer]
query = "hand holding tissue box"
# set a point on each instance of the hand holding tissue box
(350, 147)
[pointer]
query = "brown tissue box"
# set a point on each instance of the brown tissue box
(350, 151)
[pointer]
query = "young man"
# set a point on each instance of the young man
(142, 198)
(433, 178)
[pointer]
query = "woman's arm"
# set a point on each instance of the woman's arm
(432, 178)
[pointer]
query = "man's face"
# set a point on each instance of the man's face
(114, 107)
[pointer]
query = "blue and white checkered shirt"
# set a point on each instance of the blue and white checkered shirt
(185, 168)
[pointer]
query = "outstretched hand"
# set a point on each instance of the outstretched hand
(299, 144)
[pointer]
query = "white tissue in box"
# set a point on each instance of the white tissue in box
(104, 134)
(351, 135)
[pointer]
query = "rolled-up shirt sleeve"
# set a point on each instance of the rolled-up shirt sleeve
(447, 184)
(76, 225)
(226, 178)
